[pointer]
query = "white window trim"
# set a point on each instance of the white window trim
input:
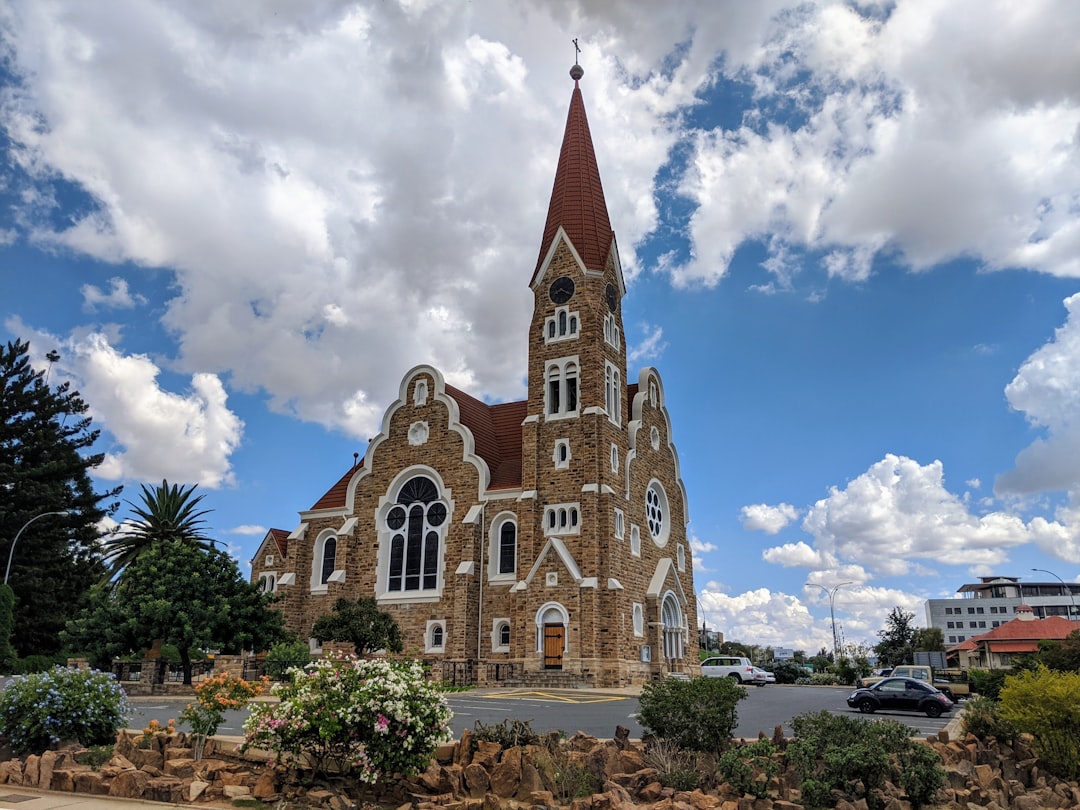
(559, 463)
(271, 575)
(615, 458)
(660, 538)
(612, 333)
(635, 540)
(639, 619)
(557, 370)
(496, 625)
(429, 630)
(573, 326)
(620, 524)
(386, 503)
(567, 519)
(494, 541)
(613, 393)
(680, 557)
(317, 561)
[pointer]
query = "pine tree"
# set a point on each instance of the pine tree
(45, 460)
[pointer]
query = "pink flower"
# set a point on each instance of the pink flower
(382, 724)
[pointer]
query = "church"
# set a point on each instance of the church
(540, 542)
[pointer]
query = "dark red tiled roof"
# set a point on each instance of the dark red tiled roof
(1052, 627)
(496, 430)
(335, 496)
(577, 198)
(281, 537)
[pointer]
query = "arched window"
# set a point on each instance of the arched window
(435, 637)
(672, 619)
(323, 560)
(507, 548)
(504, 634)
(416, 525)
(562, 388)
(613, 393)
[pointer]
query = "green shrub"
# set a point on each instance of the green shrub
(39, 711)
(697, 714)
(785, 671)
(285, 655)
(824, 679)
(748, 768)
(350, 715)
(982, 717)
(95, 756)
(988, 682)
(508, 734)
(857, 756)
(35, 663)
(676, 767)
(1046, 704)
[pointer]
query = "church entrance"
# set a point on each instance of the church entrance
(554, 641)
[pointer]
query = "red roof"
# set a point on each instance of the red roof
(577, 198)
(281, 537)
(1013, 646)
(1054, 627)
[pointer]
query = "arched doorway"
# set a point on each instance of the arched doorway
(551, 621)
(673, 629)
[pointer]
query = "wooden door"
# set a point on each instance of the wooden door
(554, 640)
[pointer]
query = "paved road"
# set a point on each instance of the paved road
(598, 713)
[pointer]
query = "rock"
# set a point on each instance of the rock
(142, 757)
(622, 737)
(446, 753)
(164, 789)
(476, 780)
(32, 771)
(129, 784)
(89, 782)
(196, 789)
(486, 754)
(506, 775)
(236, 791)
(530, 781)
(265, 785)
(183, 768)
(464, 749)
(11, 772)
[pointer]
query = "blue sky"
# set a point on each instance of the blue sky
(850, 233)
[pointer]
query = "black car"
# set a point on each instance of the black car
(901, 695)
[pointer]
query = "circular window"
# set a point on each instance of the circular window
(656, 513)
(396, 519)
(436, 514)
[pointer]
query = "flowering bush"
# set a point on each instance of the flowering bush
(153, 728)
(214, 697)
(347, 714)
(38, 711)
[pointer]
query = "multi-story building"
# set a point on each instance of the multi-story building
(992, 601)
(532, 540)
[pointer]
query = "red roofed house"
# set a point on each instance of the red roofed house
(993, 650)
(541, 541)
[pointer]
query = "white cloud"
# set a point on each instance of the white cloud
(183, 437)
(768, 519)
(945, 130)
(650, 347)
(249, 530)
(118, 296)
(899, 512)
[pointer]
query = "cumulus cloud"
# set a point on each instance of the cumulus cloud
(797, 555)
(649, 348)
(185, 437)
(879, 152)
(119, 296)
(248, 530)
(904, 507)
(768, 519)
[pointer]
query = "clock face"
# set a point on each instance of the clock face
(562, 290)
(612, 296)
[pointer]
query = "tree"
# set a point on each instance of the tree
(928, 639)
(895, 645)
(167, 513)
(1062, 656)
(182, 594)
(45, 463)
(361, 624)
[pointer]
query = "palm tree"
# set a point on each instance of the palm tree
(167, 514)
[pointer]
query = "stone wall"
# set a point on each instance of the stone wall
(480, 775)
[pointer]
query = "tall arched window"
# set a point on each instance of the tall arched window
(672, 618)
(507, 548)
(323, 560)
(562, 388)
(329, 559)
(416, 525)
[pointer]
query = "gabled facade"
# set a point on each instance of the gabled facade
(525, 540)
(995, 649)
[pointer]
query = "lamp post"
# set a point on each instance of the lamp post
(832, 614)
(1072, 599)
(11, 553)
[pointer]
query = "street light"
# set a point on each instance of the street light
(832, 615)
(1072, 600)
(11, 553)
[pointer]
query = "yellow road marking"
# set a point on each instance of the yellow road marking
(562, 698)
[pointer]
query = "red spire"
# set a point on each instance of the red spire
(577, 198)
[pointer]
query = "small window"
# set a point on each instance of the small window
(269, 559)
(508, 548)
(563, 325)
(639, 619)
(436, 636)
(635, 540)
(563, 519)
(619, 524)
(420, 393)
(680, 556)
(561, 454)
(268, 582)
(615, 458)
(562, 388)
(504, 635)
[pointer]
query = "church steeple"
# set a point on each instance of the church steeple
(577, 198)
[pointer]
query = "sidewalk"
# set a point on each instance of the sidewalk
(16, 797)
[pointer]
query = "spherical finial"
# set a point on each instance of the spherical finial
(576, 72)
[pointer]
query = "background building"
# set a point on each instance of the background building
(992, 601)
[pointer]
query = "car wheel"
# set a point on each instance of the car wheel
(933, 710)
(735, 677)
(866, 706)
